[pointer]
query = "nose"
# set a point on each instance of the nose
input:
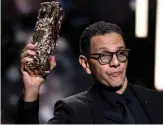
(114, 62)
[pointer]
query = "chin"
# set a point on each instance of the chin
(117, 83)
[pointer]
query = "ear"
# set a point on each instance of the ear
(84, 63)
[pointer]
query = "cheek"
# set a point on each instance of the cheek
(124, 66)
(98, 70)
(101, 72)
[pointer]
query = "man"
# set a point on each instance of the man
(110, 100)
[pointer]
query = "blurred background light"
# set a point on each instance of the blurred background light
(141, 22)
(46, 113)
(13, 99)
(13, 74)
(159, 47)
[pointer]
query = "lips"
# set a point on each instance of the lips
(115, 74)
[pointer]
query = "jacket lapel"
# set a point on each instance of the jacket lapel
(97, 106)
(152, 103)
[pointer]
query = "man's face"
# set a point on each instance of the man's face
(114, 73)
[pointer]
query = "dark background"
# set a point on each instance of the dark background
(18, 21)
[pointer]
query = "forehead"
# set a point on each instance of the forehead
(109, 41)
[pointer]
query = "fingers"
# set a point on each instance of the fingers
(23, 61)
(26, 56)
(29, 46)
(26, 59)
(28, 53)
(52, 62)
(29, 50)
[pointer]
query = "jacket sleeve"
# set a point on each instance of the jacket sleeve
(27, 112)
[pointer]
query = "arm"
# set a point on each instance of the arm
(28, 105)
(27, 112)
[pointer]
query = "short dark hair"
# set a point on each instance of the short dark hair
(98, 28)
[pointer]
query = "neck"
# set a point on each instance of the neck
(123, 87)
(118, 90)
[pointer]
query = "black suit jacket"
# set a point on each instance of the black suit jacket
(87, 107)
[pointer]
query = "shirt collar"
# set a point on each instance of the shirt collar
(109, 94)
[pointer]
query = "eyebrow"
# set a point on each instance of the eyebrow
(105, 48)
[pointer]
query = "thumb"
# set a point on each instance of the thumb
(52, 62)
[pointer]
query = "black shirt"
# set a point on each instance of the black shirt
(122, 108)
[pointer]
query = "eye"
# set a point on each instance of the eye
(123, 52)
(103, 54)
(105, 58)
(106, 53)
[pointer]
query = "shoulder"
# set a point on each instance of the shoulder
(142, 91)
(77, 98)
(73, 108)
(74, 101)
(147, 89)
